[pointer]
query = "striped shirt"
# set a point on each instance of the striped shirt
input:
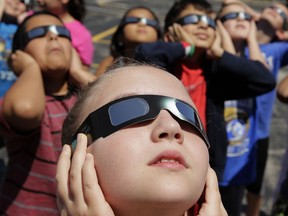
(29, 187)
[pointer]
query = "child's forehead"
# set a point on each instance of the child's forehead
(140, 12)
(192, 9)
(233, 8)
(42, 20)
(140, 80)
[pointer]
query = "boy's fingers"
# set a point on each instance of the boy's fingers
(75, 176)
(62, 173)
(212, 194)
(91, 189)
(93, 194)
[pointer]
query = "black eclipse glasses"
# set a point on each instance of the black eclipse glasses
(196, 18)
(145, 21)
(131, 110)
(61, 31)
(236, 15)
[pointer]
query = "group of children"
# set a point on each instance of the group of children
(150, 139)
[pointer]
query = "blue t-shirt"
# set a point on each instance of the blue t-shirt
(276, 55)
(240, 126)
(249, 120)
(7, 77)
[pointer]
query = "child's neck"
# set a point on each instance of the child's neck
(265, 32)
(239, 46)
(66, 17)
(55, 87)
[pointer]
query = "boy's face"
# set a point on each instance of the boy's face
(51, 52)
(139, 32)
(239, 27)
(155, 163)
(50, 5)
(202, 34)
(272, 15)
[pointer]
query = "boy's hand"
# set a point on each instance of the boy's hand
(212, 204)
(78, 191)
(226, 41)
(252, 36)
(20, 61)
(16, 9)
(216, 51)
(176, 33)
(77, 76)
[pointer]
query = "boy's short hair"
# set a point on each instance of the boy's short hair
(180, 5)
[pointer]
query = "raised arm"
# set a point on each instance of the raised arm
(236, 77)
(77, 75)
(24, 102)
(282, 90)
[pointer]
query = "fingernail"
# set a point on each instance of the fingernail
(65, 148)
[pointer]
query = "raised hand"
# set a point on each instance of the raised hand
(226, 41)
(212, 204)
(176, 33)
(78, 76)
(20, 61)
(78, 191)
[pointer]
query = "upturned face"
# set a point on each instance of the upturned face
(274, 15)
(238, 27)
(158, 164)
(139, 32)
(51, 52)
(201, 33)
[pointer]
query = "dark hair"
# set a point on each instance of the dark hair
(179, 6)
(18, 42)
(116, 46)
(77, 9)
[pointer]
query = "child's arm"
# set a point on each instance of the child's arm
(78, 191)
(253, 46)
(104, 64)
(24, 102)
(160, 53)
(236, 77)
(226, 41)
(212, 204)
(77, 75)
(282, 90)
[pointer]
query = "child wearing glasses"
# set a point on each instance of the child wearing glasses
(239, 115)
(145, 151)
(210, 74)
(33, 110)
(138, 25)
(271, 27)
(72, 13)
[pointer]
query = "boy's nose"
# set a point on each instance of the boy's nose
(166, 127)
(52, 36)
